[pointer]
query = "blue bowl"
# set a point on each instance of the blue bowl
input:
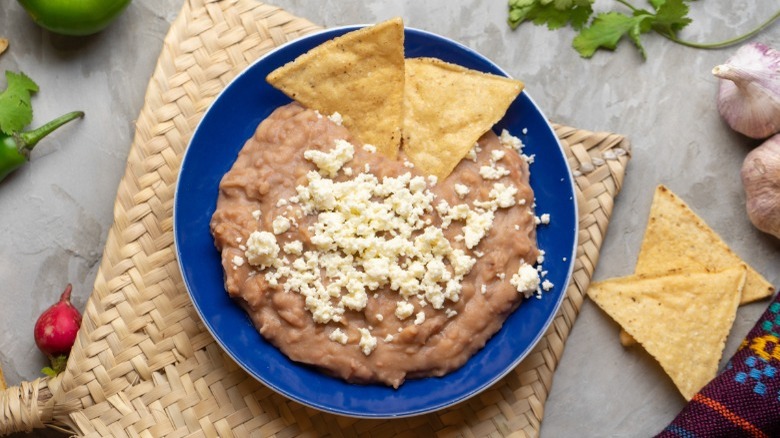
(214, 146)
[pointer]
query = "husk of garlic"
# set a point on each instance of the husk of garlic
(749, 92)
(761, 181)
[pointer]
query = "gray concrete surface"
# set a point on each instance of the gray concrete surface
(56, 211)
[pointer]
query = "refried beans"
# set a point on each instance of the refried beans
(331, 276)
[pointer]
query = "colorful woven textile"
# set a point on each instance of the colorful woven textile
(744, 400)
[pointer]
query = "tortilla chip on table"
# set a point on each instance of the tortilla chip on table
(678, 238)
(681, 319)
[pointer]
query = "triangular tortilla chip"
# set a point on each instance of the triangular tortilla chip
(447, 108)
(360, 75)
(681, 319)
(676, 238)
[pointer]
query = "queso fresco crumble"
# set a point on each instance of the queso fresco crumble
(376, 256)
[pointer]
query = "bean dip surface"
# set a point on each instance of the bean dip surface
(331, 276)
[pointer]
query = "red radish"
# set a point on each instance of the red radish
(56, 328)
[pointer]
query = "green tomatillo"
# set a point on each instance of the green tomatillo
(74, 17)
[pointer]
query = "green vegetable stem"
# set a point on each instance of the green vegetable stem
(15, 148)
(15, 114)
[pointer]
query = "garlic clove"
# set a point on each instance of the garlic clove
(761, 180)
(749, 91)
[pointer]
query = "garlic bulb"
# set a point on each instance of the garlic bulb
(749, 94)
(761, 181)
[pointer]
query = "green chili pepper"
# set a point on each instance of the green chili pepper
(15, 149)
(74, 17)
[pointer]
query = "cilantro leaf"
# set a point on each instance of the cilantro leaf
(15, 107)
(671, 17)
(607, 30)
(552, 13)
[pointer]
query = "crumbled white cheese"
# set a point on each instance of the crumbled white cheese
(477, 225)
(504, 196)
(509, 141)
(338, 336)
(547, 285)
(461, 190)
(461, 263)
(262, 249)
(493, 172)
(336, 118)
(238, 260)
(526, 280)
(419, 318)
(367, 342)
(256, 214)
(472, 154)
(496, 155)
(329, 163)
(417, 184)
(403, 309)
(294, 247)
(389, 338)
(369, 148)
(280, 225)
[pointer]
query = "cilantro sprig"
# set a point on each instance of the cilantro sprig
(605, 30)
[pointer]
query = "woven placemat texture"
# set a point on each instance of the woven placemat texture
(144, 364)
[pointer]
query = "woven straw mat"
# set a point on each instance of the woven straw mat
(144, 364)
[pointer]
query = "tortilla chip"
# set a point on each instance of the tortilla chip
(676, 238)
(681, 319)
(447, 108)
(360, 75)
